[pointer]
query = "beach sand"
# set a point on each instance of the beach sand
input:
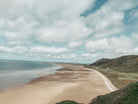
(73, 82)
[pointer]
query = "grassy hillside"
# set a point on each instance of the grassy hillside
(68, 102)
(121, 71)
(127, 95)
(123, 64)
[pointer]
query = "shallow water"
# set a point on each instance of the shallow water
(17, 73)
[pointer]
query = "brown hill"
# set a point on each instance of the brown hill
(124, 63)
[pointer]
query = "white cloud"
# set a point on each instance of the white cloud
(16, 30)
(42, 28)
(121, 45)
(14, 50)
(135, 36)
(108, 20)
(49, 50)
(52, 11)
(69, 32)
(134, 51)
(133, 14)
(98, 45)
(74, 44)
(48, 21)
(113, 45)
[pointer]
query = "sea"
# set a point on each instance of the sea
(15, 73)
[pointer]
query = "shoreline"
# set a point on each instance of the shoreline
(73, 82)
(23, 80)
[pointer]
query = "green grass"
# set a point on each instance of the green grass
(119, 79)
(132, 97)
(68, 102)
(121, 71)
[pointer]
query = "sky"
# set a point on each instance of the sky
(80, 31)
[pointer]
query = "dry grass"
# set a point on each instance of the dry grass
(119, 79)
(114, 78)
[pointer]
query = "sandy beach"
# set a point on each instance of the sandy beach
(73, 82)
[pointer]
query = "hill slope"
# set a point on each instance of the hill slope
(68, 102)
(124, 63)
(126, 95)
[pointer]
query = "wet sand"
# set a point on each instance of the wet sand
(73, 82)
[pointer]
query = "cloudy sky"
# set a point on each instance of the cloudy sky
(68, 30)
